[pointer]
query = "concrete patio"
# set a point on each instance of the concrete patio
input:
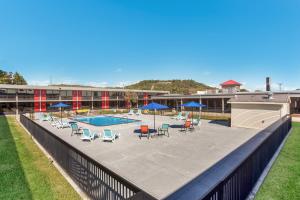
(159, 165)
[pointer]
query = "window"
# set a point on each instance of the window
(29, 91)
(11, 91)
(69, 93)
(21, 91)
(97, 94)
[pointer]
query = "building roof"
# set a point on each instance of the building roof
(83, 88)
(260, 98)
(284, 94)
(230, 83)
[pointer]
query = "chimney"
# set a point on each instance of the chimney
(268, 84)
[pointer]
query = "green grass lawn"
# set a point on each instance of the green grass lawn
(25, 172)
(283, 180)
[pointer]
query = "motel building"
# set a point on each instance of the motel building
(177, 166)
(243, 107)
(17, 99)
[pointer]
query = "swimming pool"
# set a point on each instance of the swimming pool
(104, 120)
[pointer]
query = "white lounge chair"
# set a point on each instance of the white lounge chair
(59, 123)
(109, 135)
(196, 122)
(53, 121)
(62, 124)
(45, 117)
(178, 117)
(130, 112)
(139, 112)
(87, 135)
(186, 116)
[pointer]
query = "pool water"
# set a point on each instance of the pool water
(105, 120)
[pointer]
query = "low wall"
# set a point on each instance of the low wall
(97, 181)
(235, 175)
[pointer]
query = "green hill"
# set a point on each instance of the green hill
(174, 86)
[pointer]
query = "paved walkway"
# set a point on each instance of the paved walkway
(160, 165)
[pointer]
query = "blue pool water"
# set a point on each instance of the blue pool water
(104, 120)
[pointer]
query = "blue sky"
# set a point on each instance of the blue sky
(116, 42)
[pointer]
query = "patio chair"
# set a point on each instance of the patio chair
(54, 121)
(87, 135)
(44, 117)
(179, 116)
(62, 124)
(75, 129)
(186, 126)
(186, 116)
(109, 135)
(130, 112)
(139, 112)
(164, 129)
(196, 122)
(144, 131)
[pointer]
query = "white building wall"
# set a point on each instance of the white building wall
(257, 115)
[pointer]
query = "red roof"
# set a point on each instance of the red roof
(230, 82)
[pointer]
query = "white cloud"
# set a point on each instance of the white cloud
(125, 83)
(97, 84)
(67, 82)
(274, 87)
(39, 82)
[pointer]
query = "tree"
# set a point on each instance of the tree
(19, 79)
(244, 90)
(3, 76)
(131, 98)
(12, 78)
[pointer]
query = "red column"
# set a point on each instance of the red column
(43, 101)
(36, 100)
(74, 99)
(105, 100)
(127, 103)
(145, 99)
(79, 104)
(79, 99)
(43, 106)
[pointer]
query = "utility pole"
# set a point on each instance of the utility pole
(280, 86)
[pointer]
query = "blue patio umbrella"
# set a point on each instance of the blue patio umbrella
(154, 106)
(193, 104)
(60, 105)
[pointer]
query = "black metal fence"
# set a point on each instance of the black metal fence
(234, 177)
(94, 179)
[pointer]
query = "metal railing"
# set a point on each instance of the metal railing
(234, 177)
(97, 181)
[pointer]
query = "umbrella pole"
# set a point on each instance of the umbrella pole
(154, 120)
(192, 114)
(61, 115)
